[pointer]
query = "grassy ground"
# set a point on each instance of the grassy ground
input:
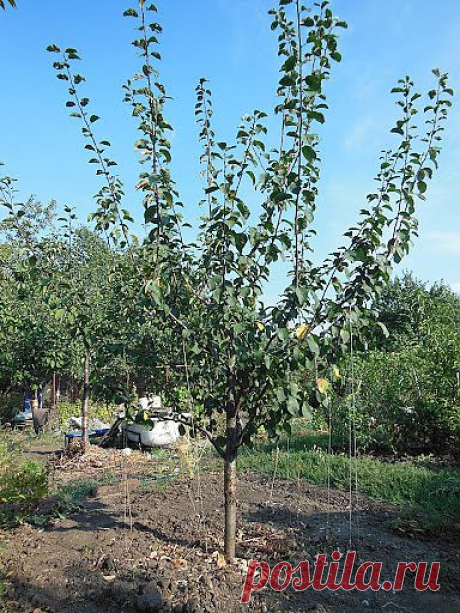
(421, 488)
(423, 491)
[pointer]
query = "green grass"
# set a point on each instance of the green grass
(2, 582)
(25, 440)
(70, 498)
(72, 495)
(431, 496)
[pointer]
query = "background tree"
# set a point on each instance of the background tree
(59, 312)
(82, 289)
(407, 306)
(415, 407)
(32, 349)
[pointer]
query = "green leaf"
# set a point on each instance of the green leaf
(314, 82)
(384, 329)
(313, 345)
(166, 154)
(292, 406)
(290, 63)
(130, 13)
(309, 153)
(288, 81)
(421, 186)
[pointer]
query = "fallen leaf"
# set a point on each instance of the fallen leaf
(109, 578)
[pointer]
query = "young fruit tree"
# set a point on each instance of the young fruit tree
(244, 356)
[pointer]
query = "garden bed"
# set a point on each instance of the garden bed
(146, 546)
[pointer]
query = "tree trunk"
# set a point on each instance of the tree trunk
(85, 406)
(230, 481)
(35, 417)
(230, 506)
(39, 414)
(54, 390)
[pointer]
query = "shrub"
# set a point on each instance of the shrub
(10, 404)
(23, 483)
(104, 412)
(406, 400)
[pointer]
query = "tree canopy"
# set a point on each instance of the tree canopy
(204, 299)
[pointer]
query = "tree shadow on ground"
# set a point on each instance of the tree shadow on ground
(99, 575)
(90, 516)
(75, 589)
(75, 594)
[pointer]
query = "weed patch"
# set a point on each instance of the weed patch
(23, 484)
(431, 497)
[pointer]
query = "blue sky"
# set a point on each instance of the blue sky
(230, 43)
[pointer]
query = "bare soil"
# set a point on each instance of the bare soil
(137, 546)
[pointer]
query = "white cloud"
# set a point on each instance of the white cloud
(443, 241)
(359, 134)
